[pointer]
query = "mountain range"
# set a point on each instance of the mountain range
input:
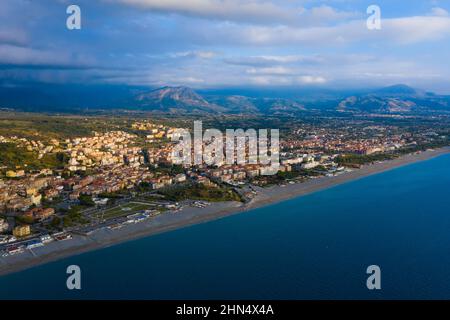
(181, 100)
(395, 99)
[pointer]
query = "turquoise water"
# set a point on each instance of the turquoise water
(313, 247)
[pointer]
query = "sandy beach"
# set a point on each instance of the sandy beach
(190, 215)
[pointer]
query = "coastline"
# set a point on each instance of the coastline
(191, 216)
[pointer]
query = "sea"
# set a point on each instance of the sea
(317, 246)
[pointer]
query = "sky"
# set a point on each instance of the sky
(227, 43)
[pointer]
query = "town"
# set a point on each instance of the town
(52, 189)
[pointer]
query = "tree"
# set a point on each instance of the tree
(55, 223)
(86, 200)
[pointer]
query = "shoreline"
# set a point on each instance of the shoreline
(189, 216)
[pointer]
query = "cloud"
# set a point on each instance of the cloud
(272, 60)
(194, 54)
(439, 12)
(16, 56)
(188, 80)
(234, 10)
(285, 75)
(271, 71)
(204, 43)
(311, 80)
(12, 36)
(324, 15)
(247, 11)
(417, 29)
(287, 81)
(409, 30)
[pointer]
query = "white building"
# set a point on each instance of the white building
(180, 177)
(293, 161)
(3, 225)
(310, 165)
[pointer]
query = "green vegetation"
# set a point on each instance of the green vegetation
(74, 217)
(282, 177)
(111, 195)
(45, 127)
(55, 223)
(24, 220)
(168, 169)
(116, 195)
(13, 157)
(199, 192)
(46, 203)
(86, 200)
(143, 187)
(288, 175)
(354, 160)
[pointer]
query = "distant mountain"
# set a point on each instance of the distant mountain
(242, 104)
(235, 104)
(75, 98)
(175, 99)
(398, 90)
(373, 103)
(395, 99)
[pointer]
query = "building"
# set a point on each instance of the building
(44, 213)
(310, 165)
(180, 178)
(11, 174)
(35, 243)
(39, 213)
(3, 225)
(36, 199)
(204, 180)
(22, 231)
